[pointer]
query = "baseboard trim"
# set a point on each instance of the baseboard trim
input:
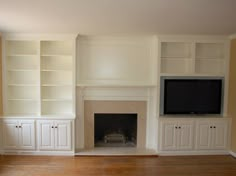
(185, 153)
(39, 153)
(233, 154)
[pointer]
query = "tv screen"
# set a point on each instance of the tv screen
(192, 96)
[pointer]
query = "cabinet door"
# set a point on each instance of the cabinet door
(63, 135)
(220, 135)
(10, 136)
(46, 134)
(185, 135)
(203, 135)
(26, 134)
(168, 136)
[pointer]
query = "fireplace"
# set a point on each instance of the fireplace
(115, 130)
(131, 108)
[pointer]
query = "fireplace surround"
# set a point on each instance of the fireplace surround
(92, 107)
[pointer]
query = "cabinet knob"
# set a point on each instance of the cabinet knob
(55, 126)
(176, 127)
(16, 126)
(214, 126)
(52, 126)
(20, 126)
(179, 127)
(210, 126)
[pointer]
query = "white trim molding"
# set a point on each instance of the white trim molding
(233, 36)
(184, 153)
(232, 153)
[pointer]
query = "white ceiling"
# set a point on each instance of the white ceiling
(119, 16)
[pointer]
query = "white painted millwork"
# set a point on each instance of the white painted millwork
(117, 60)
(54, 134)
(19, 134)
(39, 83)
(193, 56)
(194, 135)
(177, 135)
(39, 74)
(212, 134)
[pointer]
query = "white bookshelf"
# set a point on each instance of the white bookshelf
(57, 77)
(56, 48)
(210, 58)
(23, 79)
(176, 57)
(39, 75)
(193, 57)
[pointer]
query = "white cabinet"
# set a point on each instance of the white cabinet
(177, 135)
(194, 134)
(212, 134)
(54, 134)
(19, 134)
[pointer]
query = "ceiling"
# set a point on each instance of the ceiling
(216, 17)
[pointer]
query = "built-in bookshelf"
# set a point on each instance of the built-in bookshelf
(23, 79)
(210, 58)
(56, 77)
(193, 57)
(176, 57)
(39, 77)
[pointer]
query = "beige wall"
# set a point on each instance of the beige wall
(232, 92)
(1, 111)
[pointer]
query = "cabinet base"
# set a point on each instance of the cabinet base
(233, 154)
(185, 153)
(40, 153)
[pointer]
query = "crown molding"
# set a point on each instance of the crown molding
(233, 36)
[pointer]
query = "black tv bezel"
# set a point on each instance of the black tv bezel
(162, 94)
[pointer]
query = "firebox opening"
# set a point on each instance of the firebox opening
(115, 130)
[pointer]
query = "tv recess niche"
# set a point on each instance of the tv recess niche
(191, 95)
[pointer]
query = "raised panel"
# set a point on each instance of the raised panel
(10, 137)
(203, 136)
(169, 138)
(220, 135)
(27, 134)
(63, 135)
(46, 135)
(185, 137)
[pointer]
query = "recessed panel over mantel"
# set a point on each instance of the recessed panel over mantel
(116, 60)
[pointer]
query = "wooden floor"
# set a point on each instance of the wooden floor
(117, 166)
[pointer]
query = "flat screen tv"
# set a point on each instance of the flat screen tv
(192, 96)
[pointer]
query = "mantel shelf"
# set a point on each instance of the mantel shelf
(116, 85)
(191, 74)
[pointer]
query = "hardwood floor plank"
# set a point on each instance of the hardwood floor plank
(117, 166)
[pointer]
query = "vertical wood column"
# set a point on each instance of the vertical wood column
(1, 107)
(232, 93)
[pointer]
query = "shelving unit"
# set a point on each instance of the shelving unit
(210, 58)
(192, 57)
(39, 75)
(176, 57)
(56, 77)
(22, 77)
